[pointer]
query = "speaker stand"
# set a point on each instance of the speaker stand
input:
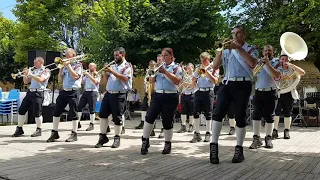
(53, 89)
(126, 113)
(300, 116)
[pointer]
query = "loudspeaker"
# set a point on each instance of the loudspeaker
(35, 53)
(50, 58)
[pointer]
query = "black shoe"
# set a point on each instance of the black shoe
(161, 134)
(79, 125)
(123, 130)
(102, 140)
(140, 126)
(152, 134)
(36, 133)
(286, 134)
(182, 129)
(190, 128)
(207, 137)
(268, 142)
(145, 145)
(275, 134)
(232, 131)
(238, 155)
(214, 152)
(196, 138)
(167, 148)
(73, 137)
(256, 143)
(19, 131)
(116, 142)
(91, 127)
(54, 136)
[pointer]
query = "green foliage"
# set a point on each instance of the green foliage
(7, 65)
(144, 27)
(109, 28)
(46, 23)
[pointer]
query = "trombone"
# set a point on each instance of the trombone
(95, 74)
(58, 61)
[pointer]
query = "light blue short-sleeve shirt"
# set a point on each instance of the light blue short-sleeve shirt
(89, 85)
(264, 77)
(163, 82)
(41, 72)
(68, 81)
(114, 84)
(205, 82)
(235, 65)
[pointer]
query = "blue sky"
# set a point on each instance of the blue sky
(5, 8)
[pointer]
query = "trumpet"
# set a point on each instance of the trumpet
(87, 71)
(153, 71)
(223, 44)
(202, 70)
(20, 73)
(259, 66)
(95, 74)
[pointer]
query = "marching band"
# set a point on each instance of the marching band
(168, 84)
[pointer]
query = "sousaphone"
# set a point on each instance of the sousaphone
(296, 49)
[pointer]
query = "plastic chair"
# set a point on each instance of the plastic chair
(14, 95)
(7, 108)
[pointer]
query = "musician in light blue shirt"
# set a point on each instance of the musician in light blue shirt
(165, 100)
(238, 59)
(204, 80)
(71, 76)
(38, 76)
(265, 97)
(91, 81)
(287, 94)
(186, 98)
(119, 82)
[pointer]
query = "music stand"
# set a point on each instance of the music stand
(299, 116)
(251, 108)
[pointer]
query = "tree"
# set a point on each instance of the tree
(108, 28)
(7, 64)
(144, 27)
(45, 24)
(189, 27)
